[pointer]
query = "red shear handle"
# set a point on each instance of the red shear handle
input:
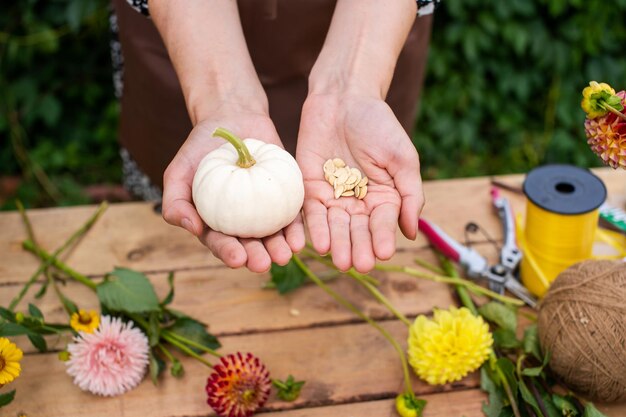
(440, 240)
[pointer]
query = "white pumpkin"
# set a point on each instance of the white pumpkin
(247, 188)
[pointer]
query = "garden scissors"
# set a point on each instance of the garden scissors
(500, 276)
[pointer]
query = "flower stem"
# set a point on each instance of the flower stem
(52, 259)
(341, 300)
(185, 349)
(191, 343)
(429, 266)
(457, 281)
(466, 299)
(245, 158)
(365, 282)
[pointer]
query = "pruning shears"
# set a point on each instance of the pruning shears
(500, 276)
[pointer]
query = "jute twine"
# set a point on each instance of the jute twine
(582, 322)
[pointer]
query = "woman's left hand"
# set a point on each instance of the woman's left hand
(364, 132)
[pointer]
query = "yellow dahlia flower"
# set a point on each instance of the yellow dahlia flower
(85, 321)
(593, 98)
(10, 357)
(448, 346)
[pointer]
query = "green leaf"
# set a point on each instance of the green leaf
(195, 331)
(6, 398)
(157, 366)
(49, 109)
(34, 311)
(289, 389)
(494, 407)
(170, 295)
(505, 339)
(129, 291)
(7, 314)
(38, 342)
(177, 370)
(68, 304)
(13, 329)
(531, 342)
(508, 370)
(565, 405)
(499, 314)
(592, 411)
(536, 371)
(287, 278)
(529, 399)
(42, 289)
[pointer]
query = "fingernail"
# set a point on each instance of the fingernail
(186, 223)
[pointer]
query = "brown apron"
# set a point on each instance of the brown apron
(284, 38)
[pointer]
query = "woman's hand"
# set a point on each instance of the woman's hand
(178, 208)
(364, 132)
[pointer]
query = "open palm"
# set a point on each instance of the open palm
(364, 132)
(178, 208)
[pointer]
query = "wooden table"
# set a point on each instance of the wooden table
(349, 368)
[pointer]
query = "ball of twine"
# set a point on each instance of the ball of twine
(582, 322)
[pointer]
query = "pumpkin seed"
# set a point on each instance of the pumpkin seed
(352, 180)
(347, 193)
(329, 167)
(339, 189)
(362, 193)
(342, 176)
(363, 182)
(339, 163)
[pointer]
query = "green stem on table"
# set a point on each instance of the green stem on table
(52, 259)
(466, 299)
(185, 349)
(361, 279)
(191, 343)
(309, 251)
(427, 265)
(168, 355)
(245, 158)
(341, 300)
(457, 281)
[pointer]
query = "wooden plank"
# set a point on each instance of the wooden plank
(341, 364)
(233, 302)
(457, 403)
(132, 235)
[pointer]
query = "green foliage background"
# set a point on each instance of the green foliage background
(502, 90)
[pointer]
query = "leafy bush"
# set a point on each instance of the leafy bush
(504, 82)
(502, 89)
(57, 108)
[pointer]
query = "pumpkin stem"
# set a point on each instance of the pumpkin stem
(245, 158)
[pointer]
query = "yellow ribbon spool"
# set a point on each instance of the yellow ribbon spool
(561, 223)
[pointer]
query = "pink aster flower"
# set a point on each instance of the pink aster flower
(109, 361)
(238, 386)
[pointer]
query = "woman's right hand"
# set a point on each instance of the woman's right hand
(179, 210)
